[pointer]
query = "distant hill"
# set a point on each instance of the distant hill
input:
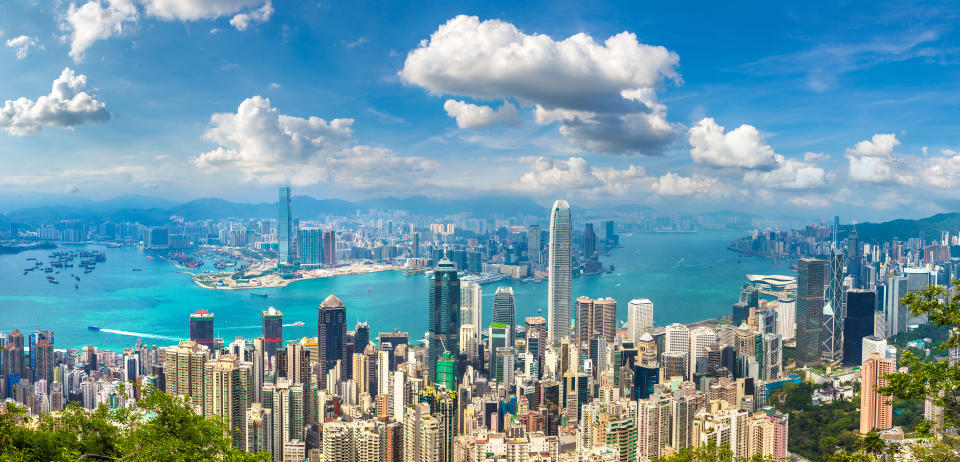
(156, 211)
(904, 229)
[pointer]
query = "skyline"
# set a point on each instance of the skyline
(805, 115)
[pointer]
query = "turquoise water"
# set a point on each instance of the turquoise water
(689, 277)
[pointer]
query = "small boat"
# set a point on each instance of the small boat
(93, 327)
(76, 286)
(53, 281)
(298, 323)
(137, 269)
(264, 295)
(24, 273)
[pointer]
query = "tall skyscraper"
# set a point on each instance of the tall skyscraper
(596, 317)
(505, 311)
(810, 291)
(285, 230)
(876, 411)
(589, 242)
(310, 243)
(13, 353)
(560, 272)
(33, 340)
(861, 306)
(639, 318)
(331, 336)
(183, 368)
(834, 311)
(443, 330)
(228, 392)
(201, 328)
(533, 244)
(272, 331)
(471, 306)
(330, 247)
(700, 338)
(43, 351)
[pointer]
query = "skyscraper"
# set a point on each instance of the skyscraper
(183, 368)
(834, 311)
(876, 411)
(639, 318)
(810, 292)
(331, 336)
(560, 275)
(505, 311)
(33, 340)
(861, 306)
(310, 243)
(589, 242)
(228, 392)
(201, 328)
(443, 330)
(43, 351)
(596, 317)
(272, 330)
(13, 353)
(533, 244)
(330, 247)
(285, 228)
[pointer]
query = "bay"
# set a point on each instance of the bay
(689, 277)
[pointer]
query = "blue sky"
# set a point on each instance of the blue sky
(801, 110)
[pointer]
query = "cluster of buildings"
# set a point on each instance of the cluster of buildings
(575, 386)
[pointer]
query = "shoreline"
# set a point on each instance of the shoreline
(274, 281)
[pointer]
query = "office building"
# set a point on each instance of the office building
(811, 283)
(505, 311)
(834, 311)
(285, 236)
(700, 339)
(330, 247)
(310, 243)
(331, 336)
(861, 308)
(43, 352)
(596, 317)
(272, 331)
(534, 244)
(876, 410)
(639, 317)
(443, 329)
(559, 272)
(471, 306)
(589, 242)
(201, 328)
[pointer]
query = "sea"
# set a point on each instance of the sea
(688, 276)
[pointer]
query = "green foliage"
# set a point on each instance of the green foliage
(708, 453)
(938, 381)
(816, 431)
(161, 428)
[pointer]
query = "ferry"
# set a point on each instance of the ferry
(298, 323)
(93, 327)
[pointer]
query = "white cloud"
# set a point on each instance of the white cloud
(96, 20)
(789, 174)
(811, 201)
(942, 172)
(550, 175)
(274, 85)
(269, 147)
(873, 161)
(67, 105)
(672, 184)
(71, 188)
(742, 147)
(594, 90)
(102, 19)
(260, 15)
(23, 44)
(355, 43)
(815, 157)
(948, 152)
(473, 116)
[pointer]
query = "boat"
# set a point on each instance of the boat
(53, 281)
(298, 323)
(137, 269)
(77, 278)
(264, 295)
(76, 286)
(93, 327)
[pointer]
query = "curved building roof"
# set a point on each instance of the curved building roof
(772, 279)
(332, 300)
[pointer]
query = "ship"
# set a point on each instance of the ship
(137, 269)
(298, 323)
(264, 295)
(93, 327)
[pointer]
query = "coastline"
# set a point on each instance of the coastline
(273, 280)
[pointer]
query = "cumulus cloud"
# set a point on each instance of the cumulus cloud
(592, 89)
(67, 105)
(815, 156)
(22, 45)
(576, 174)
(270, 147)
(942, 172)
(474, 116)
(96, 20)
(741, 147)
(102, 19)
(789, 174)
(260, 15)
(672, 184)
(873, 161)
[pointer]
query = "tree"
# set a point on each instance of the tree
(936, 381)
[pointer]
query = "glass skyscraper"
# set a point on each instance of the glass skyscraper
(310, 243)
(811, 284)
(331, 336)
(559, 292)
(443, 332)
(201, 328)
(285, 246)
(505, 311)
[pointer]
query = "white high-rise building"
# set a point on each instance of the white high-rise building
(639, 318)
(560, 295)
(787, 318)
(471, 306)
(677, 339)
(700, 338)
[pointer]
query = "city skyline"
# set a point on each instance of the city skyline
(682, 123)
